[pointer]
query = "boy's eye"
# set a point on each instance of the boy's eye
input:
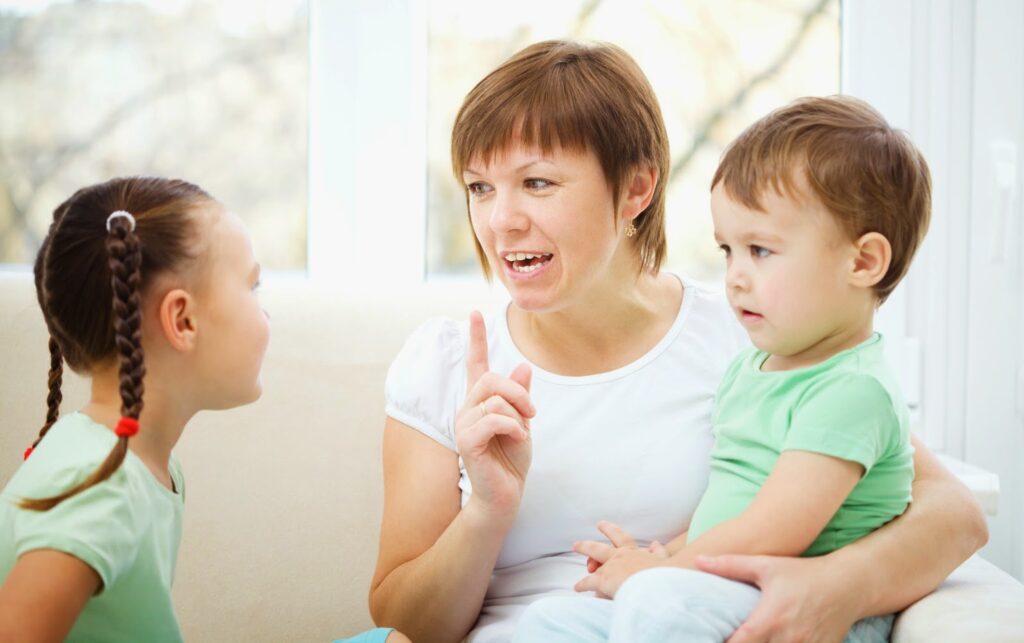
(478, 188)
(536, 184)
(725, 249)
(759, 252)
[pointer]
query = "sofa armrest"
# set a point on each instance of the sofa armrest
(978, 602)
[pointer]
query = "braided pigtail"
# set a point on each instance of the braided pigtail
(125, 262)
(54, 397)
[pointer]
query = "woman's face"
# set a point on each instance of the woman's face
(547, 224)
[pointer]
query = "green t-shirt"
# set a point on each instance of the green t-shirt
(848, 407)
(127, 528)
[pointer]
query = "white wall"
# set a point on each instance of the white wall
(951, 72)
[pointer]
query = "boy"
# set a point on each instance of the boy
(819, 208)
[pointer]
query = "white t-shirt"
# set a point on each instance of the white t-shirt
(631, 445)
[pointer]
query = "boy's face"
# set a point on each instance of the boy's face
(788, 272)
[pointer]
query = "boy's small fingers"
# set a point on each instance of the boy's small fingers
(600, 552)
(588, 584)
(617, 535)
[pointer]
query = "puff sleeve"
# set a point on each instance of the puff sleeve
(426, 382)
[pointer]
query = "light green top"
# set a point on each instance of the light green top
(848, 407)
(127, 528)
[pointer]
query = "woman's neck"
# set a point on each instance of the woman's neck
(608, 327)
(161, 422)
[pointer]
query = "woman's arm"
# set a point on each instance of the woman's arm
(435, 561)
(885, 572)
(43, 596)
(911, 556)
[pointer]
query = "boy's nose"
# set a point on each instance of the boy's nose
(736, 277)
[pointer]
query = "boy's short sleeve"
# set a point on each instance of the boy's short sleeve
(850, 416)
(427, 379)
(100, 526)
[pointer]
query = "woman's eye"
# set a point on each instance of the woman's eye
(759, 252)
(256, 286)
(477, 188)
(536, 184)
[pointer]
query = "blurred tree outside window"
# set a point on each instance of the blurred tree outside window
(715, 65)
(214, 92)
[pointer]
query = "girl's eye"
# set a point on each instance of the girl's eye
(478, 188)
(759, 252)
(536, 184)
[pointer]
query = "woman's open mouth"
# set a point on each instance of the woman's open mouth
(526, 262)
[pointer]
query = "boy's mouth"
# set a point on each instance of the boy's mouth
(749, 315)
(526, 261)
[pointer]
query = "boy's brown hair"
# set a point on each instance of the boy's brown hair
(578, 97)
(868, 175)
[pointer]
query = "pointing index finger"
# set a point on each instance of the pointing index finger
(476, 356)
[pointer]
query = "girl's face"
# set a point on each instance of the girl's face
(233, 330)
(547, 224)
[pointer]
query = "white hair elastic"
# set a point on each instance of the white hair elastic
(121, 213)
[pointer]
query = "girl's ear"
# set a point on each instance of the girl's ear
(871, 259)
(178, 319)
(639, 192)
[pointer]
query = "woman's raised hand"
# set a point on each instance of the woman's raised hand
(492, 429)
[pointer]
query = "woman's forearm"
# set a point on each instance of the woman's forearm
(438, 595)
(911, 556)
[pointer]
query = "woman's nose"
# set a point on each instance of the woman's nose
(508, 214)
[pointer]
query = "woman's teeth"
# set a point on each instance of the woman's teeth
(525, 261)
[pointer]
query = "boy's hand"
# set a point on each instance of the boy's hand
(616, 565)
(610, 565)
(618, 537)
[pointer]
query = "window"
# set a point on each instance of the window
(212, 92)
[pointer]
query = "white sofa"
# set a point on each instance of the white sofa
(284, 496)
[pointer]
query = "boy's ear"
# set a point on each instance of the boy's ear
(178, 319)
(639, 192)
(871, 259)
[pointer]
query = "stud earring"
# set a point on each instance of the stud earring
(630, 229)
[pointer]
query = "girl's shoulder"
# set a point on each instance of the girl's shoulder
(71, 450)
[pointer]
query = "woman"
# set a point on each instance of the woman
(613, 367)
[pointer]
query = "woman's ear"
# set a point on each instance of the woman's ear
(178, 319)
(639, 192)
(871, 259)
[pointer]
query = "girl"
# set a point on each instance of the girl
(148, 286)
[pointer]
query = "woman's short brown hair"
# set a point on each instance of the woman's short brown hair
(574, 96)
(868, 175)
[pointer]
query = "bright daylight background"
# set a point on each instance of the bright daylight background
(325, 125)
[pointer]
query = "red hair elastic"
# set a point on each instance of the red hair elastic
(28, 452)
(126, 427)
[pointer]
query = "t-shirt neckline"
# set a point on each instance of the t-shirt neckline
(174, 495)
(759, 357)
(576, 380)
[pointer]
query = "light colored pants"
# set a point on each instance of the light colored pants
(658, 605)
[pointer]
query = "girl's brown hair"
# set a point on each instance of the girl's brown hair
(579, 97)
(89, 283)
